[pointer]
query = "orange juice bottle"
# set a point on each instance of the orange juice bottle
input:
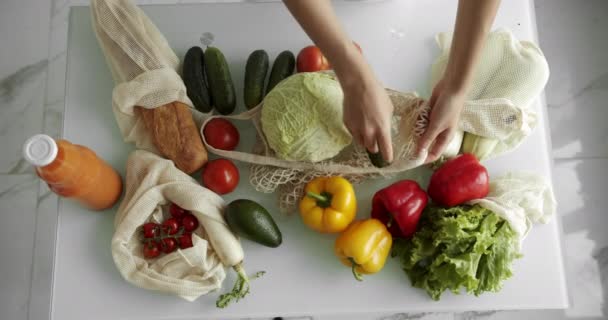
(74, 171)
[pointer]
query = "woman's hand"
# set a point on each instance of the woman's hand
(446, 105)
(367, 107)
(367, 115)
(473, 21)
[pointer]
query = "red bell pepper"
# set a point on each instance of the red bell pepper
(459, 180)
(399, 206)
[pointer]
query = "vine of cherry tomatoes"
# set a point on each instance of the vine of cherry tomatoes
(173, 233)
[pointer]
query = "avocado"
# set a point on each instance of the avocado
(249, 219)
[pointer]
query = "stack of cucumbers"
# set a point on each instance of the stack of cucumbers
(209, 84)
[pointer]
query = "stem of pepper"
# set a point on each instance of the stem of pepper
(356, 274)
(389, 223)
(323, 199)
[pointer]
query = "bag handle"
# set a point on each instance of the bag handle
(397, 166)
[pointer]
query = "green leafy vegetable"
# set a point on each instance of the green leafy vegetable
(464, 246)
(302, 118)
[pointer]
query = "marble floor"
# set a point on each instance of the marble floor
(572, 35)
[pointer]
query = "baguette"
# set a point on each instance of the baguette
(175, 135)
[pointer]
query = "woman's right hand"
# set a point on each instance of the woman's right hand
(367, 107)
(367, 114)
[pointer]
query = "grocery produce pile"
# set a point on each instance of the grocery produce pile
(301, 135)
(175, 233)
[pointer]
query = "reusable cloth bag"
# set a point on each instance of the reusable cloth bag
(522, 199)
(143, 66)
(144, 69)
(508, 70)
(153, 182)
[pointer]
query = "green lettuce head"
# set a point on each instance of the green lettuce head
(302, 118)
(466, 247)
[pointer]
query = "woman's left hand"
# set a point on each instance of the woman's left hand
(446, 105)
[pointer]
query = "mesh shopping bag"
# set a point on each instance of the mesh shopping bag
(508, 70)
(270, 173)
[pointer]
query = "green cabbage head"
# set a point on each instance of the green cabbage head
(302, 118)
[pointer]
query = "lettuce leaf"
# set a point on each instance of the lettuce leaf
(466, 247)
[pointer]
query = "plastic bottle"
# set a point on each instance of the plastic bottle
(74, 171)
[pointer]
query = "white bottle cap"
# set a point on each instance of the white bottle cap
(40, 150)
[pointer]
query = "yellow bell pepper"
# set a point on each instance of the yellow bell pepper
(329, 204)
(364, 246)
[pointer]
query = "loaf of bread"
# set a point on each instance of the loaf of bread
(175, 135)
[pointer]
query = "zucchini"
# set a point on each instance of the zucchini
(220, 82)
(255, 76)
(194, 79)
(281, 68)
(481, 147)
(377, 160)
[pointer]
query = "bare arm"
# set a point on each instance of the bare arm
(473, 22)
(367, 108)
(319, 21)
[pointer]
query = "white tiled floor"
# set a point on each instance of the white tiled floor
(572, 35)
(23, 72)
(584, 183)
(18, 208)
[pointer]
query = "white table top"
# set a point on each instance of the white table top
(400, 47)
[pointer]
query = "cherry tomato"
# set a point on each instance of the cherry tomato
(220, 176)
(190, 222)
(150, 229)
(221, 134)
(169, 245)
(151, 250)
(185, 241)
(311, 59)
(176, 211)
(171, 225)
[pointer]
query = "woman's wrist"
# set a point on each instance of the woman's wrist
(455, 84)
(351, 68)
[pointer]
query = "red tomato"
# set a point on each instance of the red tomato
(169, 245)
(190, 222)
(185, 241)
(221, 134)
(171, 225)
(220, 176)
(176, 211)
(311, 59)
(150, 229)
(151, 250)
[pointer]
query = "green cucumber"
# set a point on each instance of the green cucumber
(220, 82)
(281, 68)
(377, 159)
(194, 79)
(249, 219)
(255, 76)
